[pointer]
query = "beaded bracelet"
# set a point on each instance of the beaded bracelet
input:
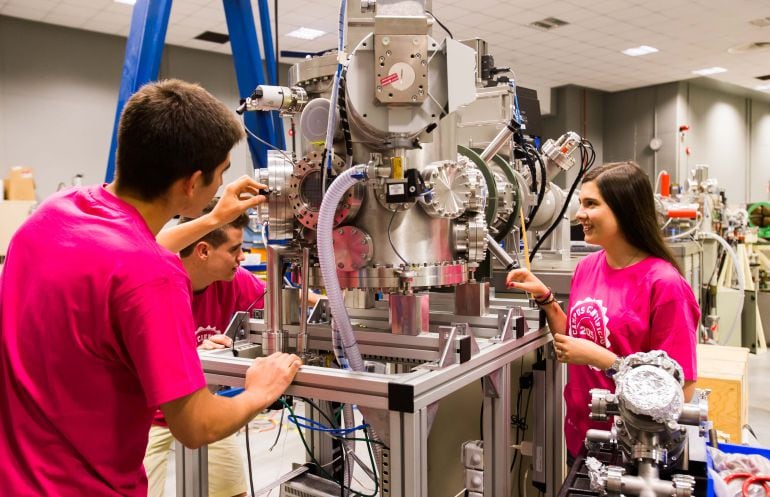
(545, 297)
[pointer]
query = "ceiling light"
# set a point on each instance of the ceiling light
(306, 33)
(640, 50)
(764, 87)
(547, 24)
(709, 71)
(127, 2)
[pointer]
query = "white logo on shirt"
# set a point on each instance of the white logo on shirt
(204, 332)
(588, 320)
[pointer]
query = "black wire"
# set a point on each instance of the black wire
(343, 109)
(526, 413)
(530, 156)
(248, 309)
(391, 240)
(588, 155)
(543, 175)
(516, 418)
(275, 29)
(440, 23)
(329, 420)
(280, 427)
(248, 459)
(481, 414)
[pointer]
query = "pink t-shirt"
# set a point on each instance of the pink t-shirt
(95, 326)
(214, 306)
(643, 307)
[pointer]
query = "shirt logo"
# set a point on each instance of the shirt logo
(588, 320)
(204, 332)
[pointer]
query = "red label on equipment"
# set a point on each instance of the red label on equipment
(390, 78)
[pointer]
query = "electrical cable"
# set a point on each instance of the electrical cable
(515, 417)
(391, 240)
(588, 156)
(327, 475)
(260, 140)
(346, 438)
(248, 309)
(440, 23)
(344, 123)
(248, 460)
(531, 155)
(280, 428)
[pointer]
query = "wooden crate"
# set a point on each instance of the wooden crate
(724, 370)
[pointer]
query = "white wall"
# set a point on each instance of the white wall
(719, 137)
(58, 95)
(759, 177)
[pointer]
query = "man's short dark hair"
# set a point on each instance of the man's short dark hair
(216, 237)
(168, 130)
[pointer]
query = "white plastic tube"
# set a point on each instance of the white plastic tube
(334, 194)
(739, 275)
(657, 180)
(687, 233)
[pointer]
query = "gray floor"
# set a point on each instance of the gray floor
(759, 397)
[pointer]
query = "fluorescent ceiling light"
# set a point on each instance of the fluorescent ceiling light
(127, 2)
(640, 50)
(763, 87)
(709, 71)
(306, 33)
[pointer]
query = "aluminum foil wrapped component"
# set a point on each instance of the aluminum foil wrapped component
(597, 473)
(650, 391)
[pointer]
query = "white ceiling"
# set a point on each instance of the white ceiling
(690, 34)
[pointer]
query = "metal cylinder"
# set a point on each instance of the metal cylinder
(500, 254)
(408, 314)
(497, 143)
(274, 341)
(274, 300)
(290, 306)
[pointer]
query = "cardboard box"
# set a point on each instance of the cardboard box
(725, 371)
(12, 215)
(20, 185)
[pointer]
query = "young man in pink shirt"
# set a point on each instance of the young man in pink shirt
(95, 316)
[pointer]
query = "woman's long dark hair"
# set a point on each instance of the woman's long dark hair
(628, 193)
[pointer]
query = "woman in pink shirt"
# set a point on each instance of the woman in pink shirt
(629, 297)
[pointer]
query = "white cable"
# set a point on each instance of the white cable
(331, 123)
(689, 232)
(739, 275)
(657, 179)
